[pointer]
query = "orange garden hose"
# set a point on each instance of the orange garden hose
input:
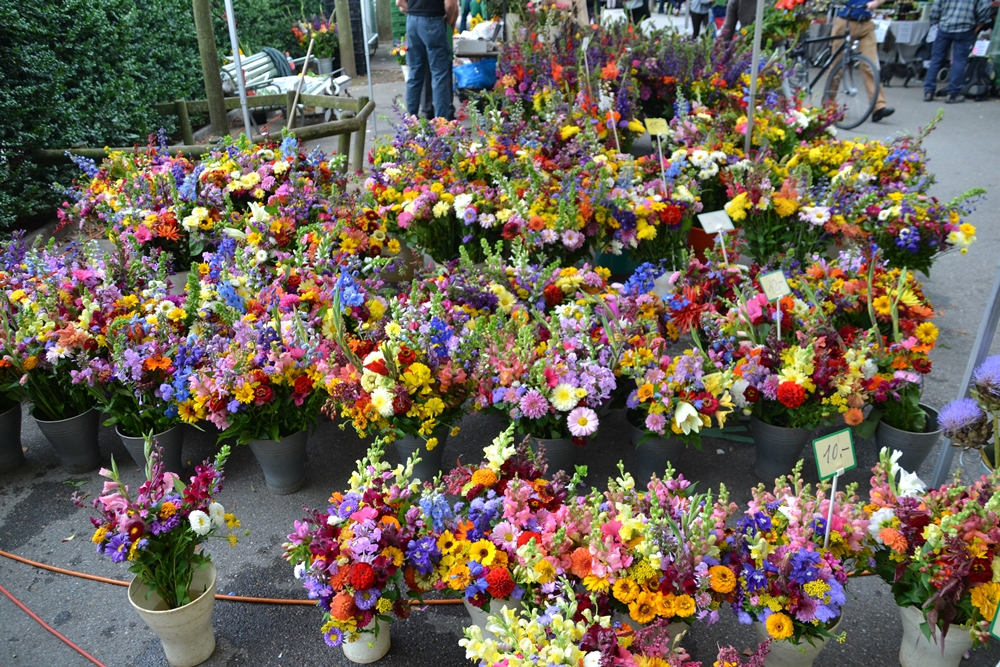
(50, 628)
(218, 596)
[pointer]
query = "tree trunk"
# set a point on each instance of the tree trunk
(210, 67)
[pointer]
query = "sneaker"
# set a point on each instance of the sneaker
(955, 99)
(884, 112)
(928, 96)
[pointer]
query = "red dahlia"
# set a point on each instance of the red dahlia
(498, 583)
(361, 576)
(791, 395)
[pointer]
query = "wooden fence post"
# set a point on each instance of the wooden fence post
(181, 109)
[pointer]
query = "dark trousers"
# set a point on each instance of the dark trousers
(427, 55)
(960, 44)
(697, 21)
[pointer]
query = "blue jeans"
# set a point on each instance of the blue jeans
(960, 44)
(428, 55)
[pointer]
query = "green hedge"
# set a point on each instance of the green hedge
(87, 72)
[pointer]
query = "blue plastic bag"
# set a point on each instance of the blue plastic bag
(478, 75)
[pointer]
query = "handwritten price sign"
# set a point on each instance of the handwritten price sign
(775, 285)
(835, 454)
(715, 222)
(994, 627)
(657, 126)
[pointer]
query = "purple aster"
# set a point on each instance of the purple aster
(366, 599)
(334, 637)
(160, 527)
(534, 405)
(117, 548)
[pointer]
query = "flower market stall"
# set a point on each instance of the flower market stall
(525, 417)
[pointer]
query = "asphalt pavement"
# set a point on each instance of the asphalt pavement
(38, 521)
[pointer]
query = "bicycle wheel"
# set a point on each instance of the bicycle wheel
(847, 88)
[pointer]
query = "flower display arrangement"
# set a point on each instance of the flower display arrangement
(11, 391)
(791, 579)
(658, 553)
(569, 632)
(160, 529)
(509, 538)
(350, 557)
(175, 205)
(937, 548)
(406, 370)
(255, 364)
(322, 31)
(57, 316)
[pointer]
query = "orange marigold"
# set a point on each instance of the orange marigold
(893, 539)
(484, 476)
(342, 606)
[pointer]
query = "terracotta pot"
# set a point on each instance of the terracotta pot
(186, 632)
(700, 241)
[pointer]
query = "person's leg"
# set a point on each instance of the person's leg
(869, 48)
(435, 36)
(697, 21)
(938, 53)
(961, 47)
(427, 99)
(416, 58)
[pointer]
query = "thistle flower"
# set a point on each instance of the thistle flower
(965, 423)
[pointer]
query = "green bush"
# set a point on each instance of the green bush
(88, 72)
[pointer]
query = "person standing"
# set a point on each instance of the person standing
(699, 16)
(742, 12)
(957, 22)
(858, 14)
(428, 53)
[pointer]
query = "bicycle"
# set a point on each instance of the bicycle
(845, 83)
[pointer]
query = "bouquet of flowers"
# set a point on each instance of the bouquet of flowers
(57, 313)
(936, 548)
(398, 51)
(160, 528)
(11, 257)
(322, 31)
(350, 557)
(791, 577)
(510, 534)
(659, 550)
(261, 369)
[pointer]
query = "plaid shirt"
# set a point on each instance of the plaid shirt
(960, 15)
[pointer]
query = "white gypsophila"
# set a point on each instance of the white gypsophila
(218, 514)
(200, 523)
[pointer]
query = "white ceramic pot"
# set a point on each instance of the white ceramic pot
(785, 653)
(916, 651)
(367, 647)
(186, 632)
(481, 616)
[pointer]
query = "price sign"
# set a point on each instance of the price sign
(834, 454)
(715, 222)
(656, 126)
(584, 43)
(994, 627)
(774, 285)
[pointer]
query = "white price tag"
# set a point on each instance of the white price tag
(584, 43)
(981, 48)
(994, 627)
(715, 222)
(834, 454)
(774, 285)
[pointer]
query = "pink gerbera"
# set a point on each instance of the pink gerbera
(582, 422)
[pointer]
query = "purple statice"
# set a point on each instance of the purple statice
(960, 414)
